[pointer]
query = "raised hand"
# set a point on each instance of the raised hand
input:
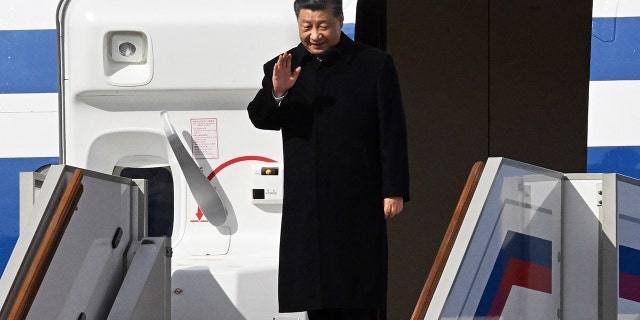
(283, 78)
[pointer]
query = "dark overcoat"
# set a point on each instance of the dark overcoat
(345, 149)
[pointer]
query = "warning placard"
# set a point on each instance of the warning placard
(205, 138)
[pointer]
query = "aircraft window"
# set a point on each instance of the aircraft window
(160, 198)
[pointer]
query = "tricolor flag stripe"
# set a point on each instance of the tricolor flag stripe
(629, 277)
(523, 274)
(524, 261)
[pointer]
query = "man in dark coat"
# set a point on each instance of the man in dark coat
(338, 106)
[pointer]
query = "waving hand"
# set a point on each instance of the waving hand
(283, 78)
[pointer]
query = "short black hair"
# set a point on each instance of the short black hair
(314, 5)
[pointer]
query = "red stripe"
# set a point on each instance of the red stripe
(629, 286)
(523, 274)
(236, 160)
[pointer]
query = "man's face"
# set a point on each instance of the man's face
(319, 30)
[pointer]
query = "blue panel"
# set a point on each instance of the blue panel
(350, 30)
(629, 260)
(10, 169)
(28, 61)
(623, 160)
(6, 247)
(615, 49)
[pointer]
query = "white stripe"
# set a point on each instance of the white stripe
(616, 8)
(31, 102)
(614, 113)
(29, 125)
(349, 11)
(29, 135)
(28, 14)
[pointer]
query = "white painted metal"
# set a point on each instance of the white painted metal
(580, 246)
(201, 61)
(92, 269)
(510, 196)
(589, 218)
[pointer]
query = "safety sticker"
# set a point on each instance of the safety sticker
(204, 132)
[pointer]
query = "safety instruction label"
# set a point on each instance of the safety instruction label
(204, 132)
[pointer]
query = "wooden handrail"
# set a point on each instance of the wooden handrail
(47, 248)
(447, 242)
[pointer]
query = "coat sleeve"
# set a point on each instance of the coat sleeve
(263, 111)
(393, 133)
